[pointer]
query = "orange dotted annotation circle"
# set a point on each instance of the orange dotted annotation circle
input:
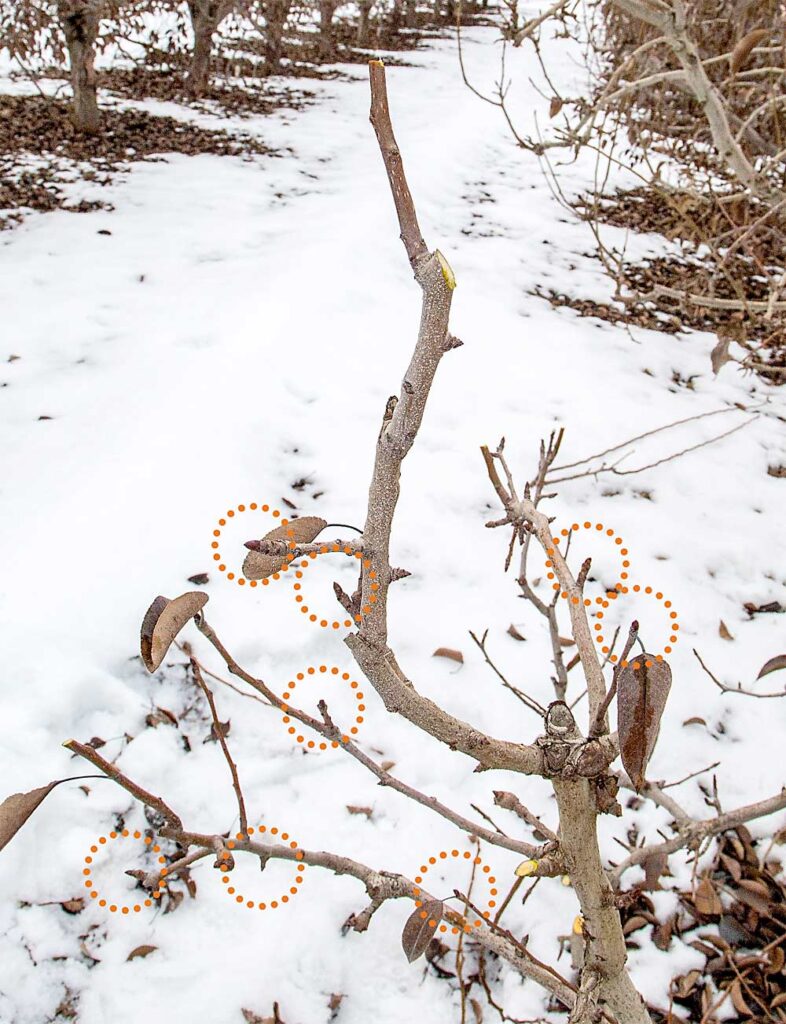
(444, 855)
(114, 908)
(600, 529)
(300, 597)
(285, 897)
(621, 587)
(218, 557)
(311, 671)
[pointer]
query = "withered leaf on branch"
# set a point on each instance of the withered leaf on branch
(641, 697)
(16, 809)
(555, 106)
(420, 928)
(779, 661)
(163, 621)
(744, 48)
(258, 566)
(447, 652)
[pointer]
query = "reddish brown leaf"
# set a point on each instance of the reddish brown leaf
(778, 662)
(744, 48)
(512, 631)
(642, 690)
(141, 951)
(16, 809)
(75, 906)
(447, 652)
(420, 928)
(555, 106)
(694, 721)
(368, 811)
(258, 566)
(163, 621)
(739, 1002)
(723, 631)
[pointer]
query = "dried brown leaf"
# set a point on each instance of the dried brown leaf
(17, 808)
(744, 48)
(420, 928)
(739, 1002)
(387, 765)
(141, 951)
(258, 566)
(512, 631)
(642, 690)
(706, 899)
(694, 721)
(368, 811)
(720, 354)
(163, 621)
(634, 923)
(778, 662)
(723, 631)
(555, 106)
(74, 906)
(447, 652)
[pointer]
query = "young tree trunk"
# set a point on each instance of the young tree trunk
(276, 13)
(364, 22)
(206, 16)
(396, 15)
(80, 19)
(410, 13)
(327, 38)
(605, 954)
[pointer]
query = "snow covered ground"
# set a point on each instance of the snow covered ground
(232, 328)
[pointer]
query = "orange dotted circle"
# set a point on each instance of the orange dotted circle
(636, 588)
(114, 908)
(239, 898)
(218, 557)
(605, 531)
(325, 671)
(312, 616)
(445, 855)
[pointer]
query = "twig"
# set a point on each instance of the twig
(738, 688)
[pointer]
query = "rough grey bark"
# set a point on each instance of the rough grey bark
(80, 19)
(327, 30)
(206, 16)
(276, 14)
(364, 22)
(604, 950)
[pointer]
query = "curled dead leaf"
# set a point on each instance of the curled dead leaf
(258, 566)
(706, 899)
(555, 106)
(447, 652)
(17, 808)
(163, 621)
(512, 631)
(723, 631)
(141, 951)
(420, 928)
(778, 662)
(744, 48)
(720, 354)
(642, 690)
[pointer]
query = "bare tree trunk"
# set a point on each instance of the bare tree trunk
(276, 13)
(206, 16)
(80, 24)
(605, 954)
(327, 38)
(396, 15)
(410, 13)
(364, 22)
